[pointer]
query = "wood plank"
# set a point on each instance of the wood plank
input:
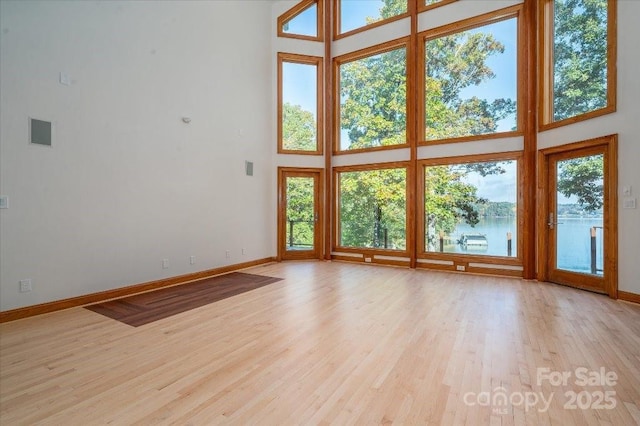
(331, 343)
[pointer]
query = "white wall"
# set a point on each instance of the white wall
(127, 183)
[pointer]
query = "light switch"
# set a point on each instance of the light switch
(65, 79)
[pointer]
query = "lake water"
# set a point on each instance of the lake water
(574, 240)
(574, 244)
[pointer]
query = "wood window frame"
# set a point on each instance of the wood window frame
(409, 199)
(450, 261)
(423, 6)
(512, 12)
(316, 61)
(338, 20)
(546, 67)
(298, 9)
(362, 54)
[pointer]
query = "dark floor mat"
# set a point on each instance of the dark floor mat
(148, 307)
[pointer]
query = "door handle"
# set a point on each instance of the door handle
(551, 222)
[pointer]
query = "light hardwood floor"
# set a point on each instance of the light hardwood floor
(334, 343)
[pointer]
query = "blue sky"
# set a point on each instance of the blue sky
(504, 66)
(354, 13)
(299, 85)
(304, 23)
(496, 187)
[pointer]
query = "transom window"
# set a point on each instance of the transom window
(303, 21)
(354, 15)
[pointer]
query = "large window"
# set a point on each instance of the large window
(578, 60)
(354, 15)
(299, 104)
(469, 81)
(372, 98)
(471, 208)
(423, 111)
(372, 207)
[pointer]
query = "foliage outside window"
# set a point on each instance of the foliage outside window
(356, 14)
(582, 180)
(373, 208)
(470, 82)
(471, 208)
(299, 106)
(580, 76)
(300, 213)
(373, 100)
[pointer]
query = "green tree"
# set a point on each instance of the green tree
(498, 209)
(583, 178)
(579, 57)
(374, 100)
(300, 211)
(373, 203)
(454, 63)
(298, 128)
(449, 199)
(393, 8)
(373, 90)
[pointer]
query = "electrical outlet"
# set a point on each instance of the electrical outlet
(629, 203)
(165, 263)
(367, 259)
(244, 251)
(25, 286)
(227, 254)
(192, 260)
(460, 268)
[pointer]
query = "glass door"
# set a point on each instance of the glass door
(578, 219)
(299, 211)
